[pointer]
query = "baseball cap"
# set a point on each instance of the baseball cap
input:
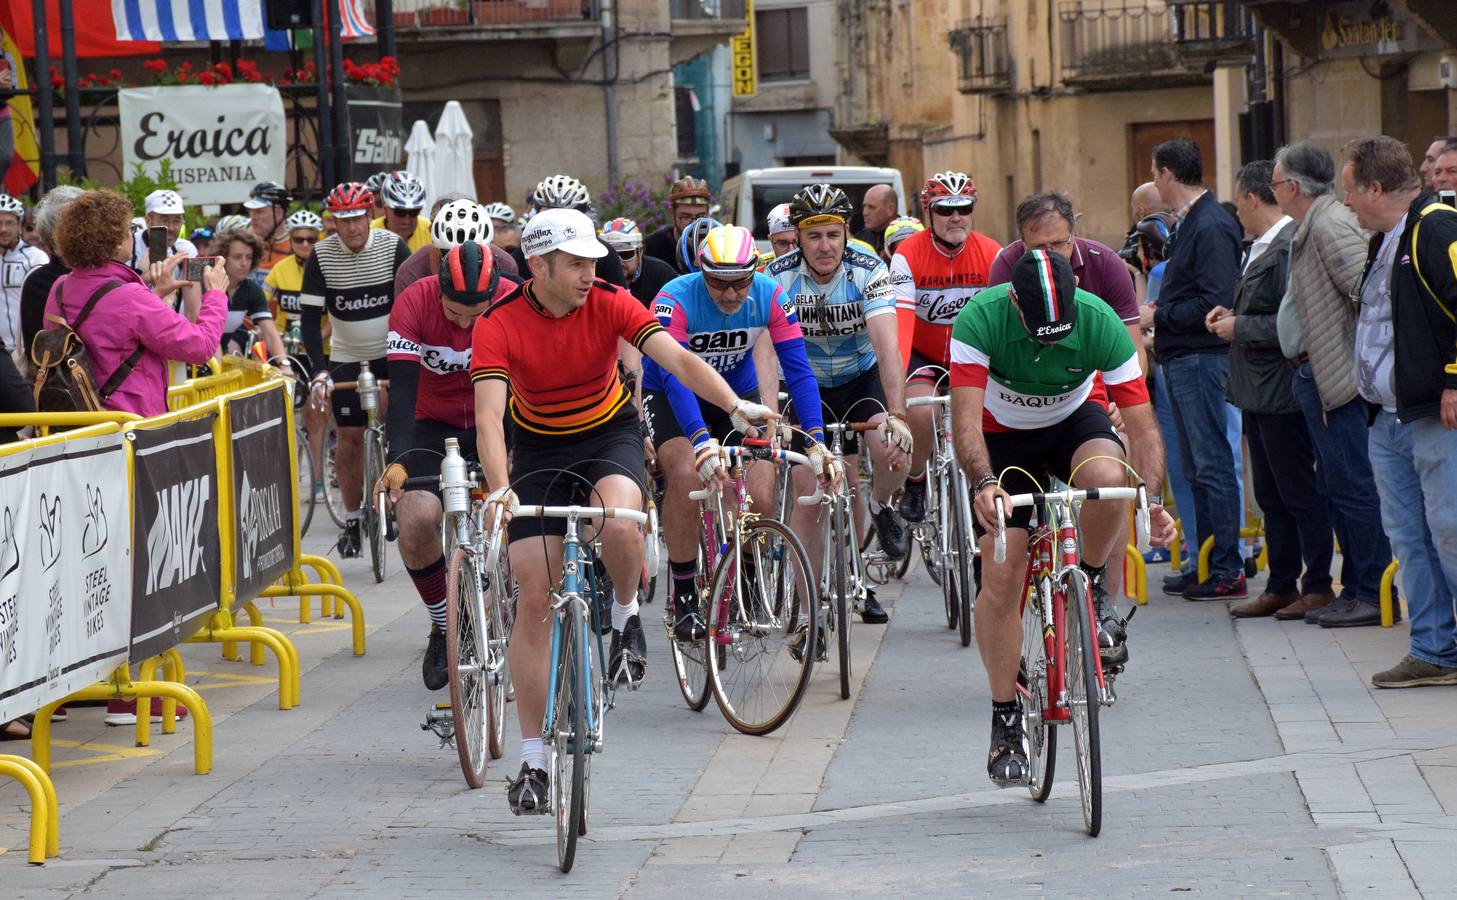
(164, 202)
(568, 230)
(1043, 287)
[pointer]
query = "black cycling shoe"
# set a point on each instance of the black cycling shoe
(349, 542)
(530, 792)
(912, 505)
(1007, 758)
(433, 667)
(891, 532)
(627, 660)
(1112, 628)
(871, 612)
(688, 625)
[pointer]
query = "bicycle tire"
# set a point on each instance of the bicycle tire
(568, 743)
(945, 541)
(370, 521)
(739, 670)
(333, 496)
(1083, 701)
(840, 534)
(304, 470)
(962, 537)
(495, 643)
(470, 701)
(1033, 696)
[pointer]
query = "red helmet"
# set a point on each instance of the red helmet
(349, 199)
(955, 188)
(468, 274)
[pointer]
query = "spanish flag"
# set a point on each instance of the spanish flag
(23, 168)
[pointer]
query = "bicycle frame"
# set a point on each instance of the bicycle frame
(573, 611)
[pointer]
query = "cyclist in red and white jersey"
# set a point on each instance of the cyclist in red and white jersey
(934, 273)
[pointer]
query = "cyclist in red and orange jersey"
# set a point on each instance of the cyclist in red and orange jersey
(933, 274)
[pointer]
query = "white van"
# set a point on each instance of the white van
(747, 197)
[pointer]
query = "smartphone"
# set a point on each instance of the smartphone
(192, 268)
(1447, 197)
(157, 243)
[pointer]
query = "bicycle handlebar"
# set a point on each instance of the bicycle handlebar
(354, 385)
(759, 452)
(928, 400)
(493, 538)
(1068, 498)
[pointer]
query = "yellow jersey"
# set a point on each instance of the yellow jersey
(419, 239)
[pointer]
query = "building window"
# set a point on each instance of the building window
(783, 39)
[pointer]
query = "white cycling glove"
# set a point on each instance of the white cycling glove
(747, 414)
(708, 460)
(506, 498)
(895, 431)
(821, 460)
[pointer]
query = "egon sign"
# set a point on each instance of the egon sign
(221, 140)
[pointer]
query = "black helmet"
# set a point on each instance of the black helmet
(268, 193)
(1154, 229)
(820, 200)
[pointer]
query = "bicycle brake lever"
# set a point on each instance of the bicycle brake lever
(999, 552)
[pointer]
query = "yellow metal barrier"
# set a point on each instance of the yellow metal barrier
(121, 687)
(1134, 565)
(200, 390)
(1207, 549)
(45, 815)
(1388, 595)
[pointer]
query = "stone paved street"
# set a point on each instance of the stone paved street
(1242, 759)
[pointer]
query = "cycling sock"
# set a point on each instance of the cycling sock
(1095, 573)
(916, 477)
(622, 612)
(683, 576)
(354, 515)
(1011, 707)
(532, 753)
(430, 583)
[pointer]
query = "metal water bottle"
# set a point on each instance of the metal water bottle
(368, 390)
(454, 479)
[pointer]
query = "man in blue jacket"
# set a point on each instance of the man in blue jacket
(1203, 266)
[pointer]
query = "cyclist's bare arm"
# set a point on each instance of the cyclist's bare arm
(631, 359)
(272, 341)
(882, 332)
(490, 435)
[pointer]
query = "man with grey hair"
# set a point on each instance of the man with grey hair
(1427, 169)
(1318, 333)
(38, 282)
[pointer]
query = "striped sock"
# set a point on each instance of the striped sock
(430, 583)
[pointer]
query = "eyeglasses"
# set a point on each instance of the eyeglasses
(1275, 184)
(405, 213)
(1055, 246)
(719, 284)
(304, 240)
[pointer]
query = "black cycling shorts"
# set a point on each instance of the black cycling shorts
(857, 400)
(347, 411)
(423, 460)
(1045, 452)
(613, 449)
(663, 425)
(923, 370)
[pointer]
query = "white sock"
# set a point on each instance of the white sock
(622, 612)
(354, 516)
(532, 753)
(437, 613)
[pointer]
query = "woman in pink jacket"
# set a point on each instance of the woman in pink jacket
(94, 238)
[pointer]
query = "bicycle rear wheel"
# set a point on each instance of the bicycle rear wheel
(961, 538)
(470, 701)
(840, 531)
(756, 675)
(569, 742)
(304, 481)
(946, 558)
(1032, 693)
(1082, 698)
(371, 522)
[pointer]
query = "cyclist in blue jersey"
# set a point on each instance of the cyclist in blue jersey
(725, 313)
(847, 311)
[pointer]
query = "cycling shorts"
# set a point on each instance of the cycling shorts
(857, 400)
(347, 411)
(663, 425)
(537, 479)
(920, 370)
(1045, 452)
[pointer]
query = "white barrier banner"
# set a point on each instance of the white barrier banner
(65, 570)
(221, 140)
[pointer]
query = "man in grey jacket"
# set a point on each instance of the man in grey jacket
(1326, 257)
(1282, 459)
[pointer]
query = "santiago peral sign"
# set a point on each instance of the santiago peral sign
(221, 140)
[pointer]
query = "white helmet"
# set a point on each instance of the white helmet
(778, 219)
(460, 221)
(231, 222)
(9, 204)
(303, 219)
(560, 192)
(501, 211)
(402, 190)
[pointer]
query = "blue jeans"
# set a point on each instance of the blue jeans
(1416, 471)
(1179, 487)
(1343, 474)
(1196, 387)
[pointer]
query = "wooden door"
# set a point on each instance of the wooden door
(1144, 136)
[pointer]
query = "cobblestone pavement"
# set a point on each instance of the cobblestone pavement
(1242, 759)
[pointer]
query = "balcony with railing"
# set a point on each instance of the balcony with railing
(708, 10)
(1116, 44)
(984, 61)
(700, 25)
(421, 15)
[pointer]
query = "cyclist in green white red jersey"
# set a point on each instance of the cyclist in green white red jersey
(1034, 364)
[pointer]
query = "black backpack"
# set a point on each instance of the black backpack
(64, 381)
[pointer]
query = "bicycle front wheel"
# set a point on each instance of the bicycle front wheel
(961, 537)
(841, 516)
(497, 598)
(762, 628)
(569, 743)
(333, 496)
(305, 482)
(372, 521)
(1082, 698)
(470, 701)
(1032, 694)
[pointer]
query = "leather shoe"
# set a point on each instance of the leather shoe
(1304, 604)
(1267, 604)
(1341, 604)
(1357, 614)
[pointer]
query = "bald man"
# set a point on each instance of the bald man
(1429, 160)
(879, 210)
(1146, 200)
